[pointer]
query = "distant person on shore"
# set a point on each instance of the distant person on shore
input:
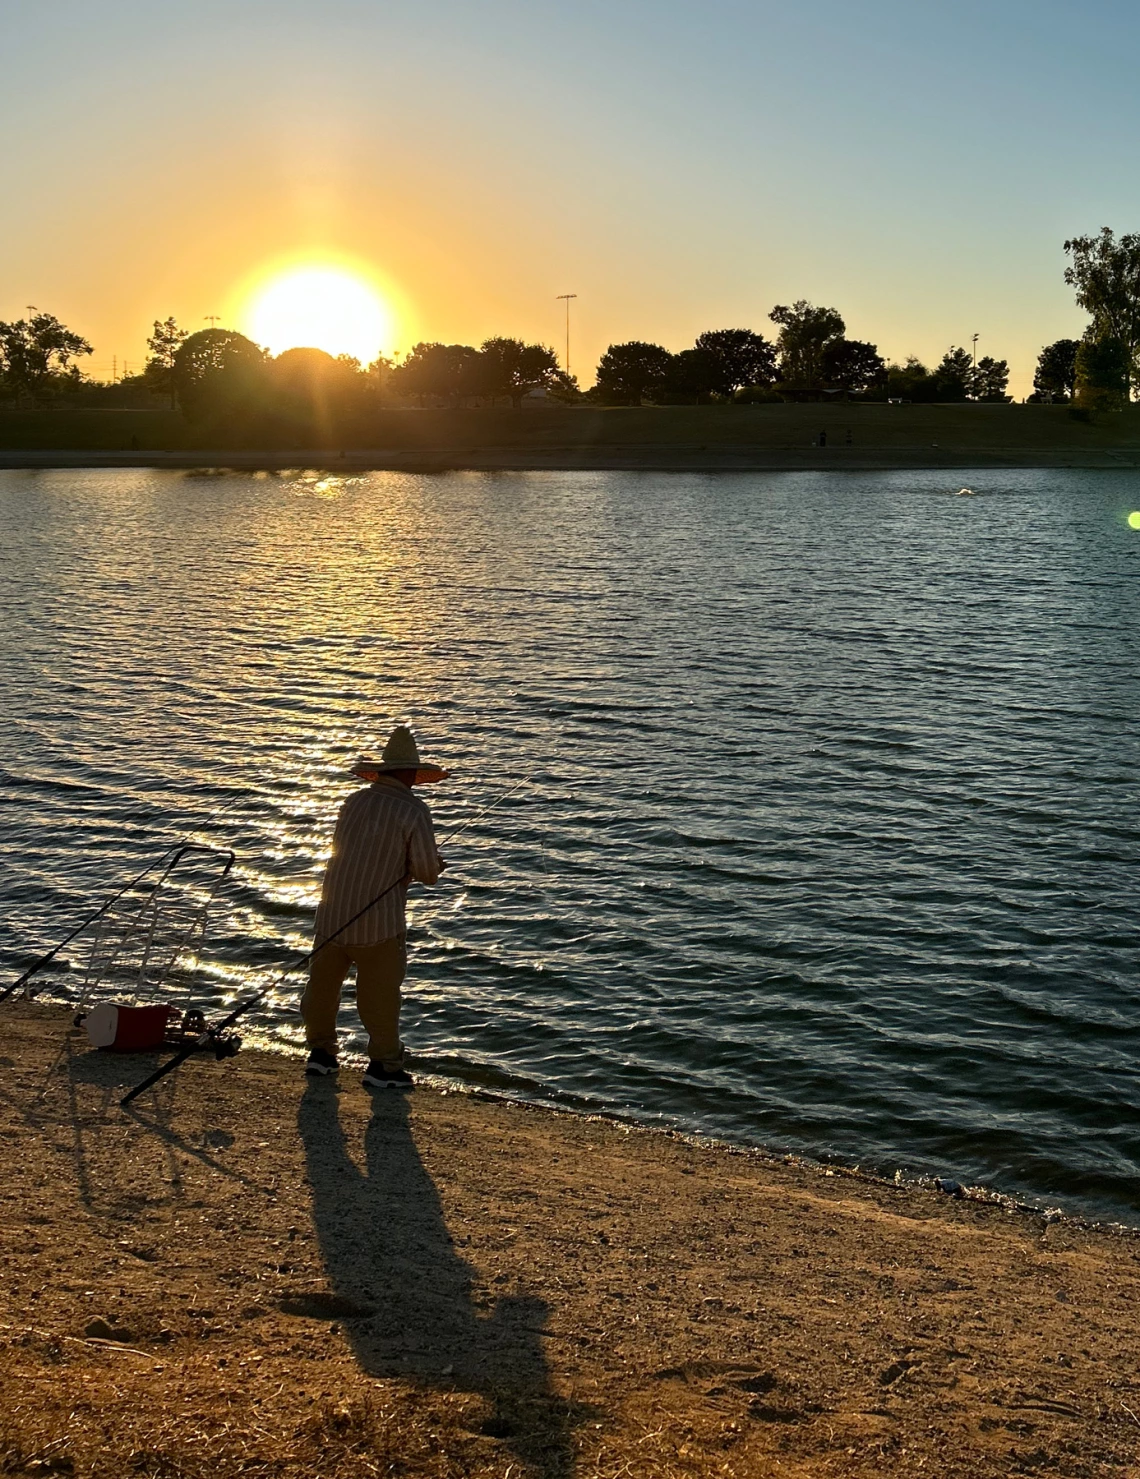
(383, 837)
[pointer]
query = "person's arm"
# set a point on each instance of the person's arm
(424, 862)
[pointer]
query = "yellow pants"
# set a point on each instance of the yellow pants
(379, 971)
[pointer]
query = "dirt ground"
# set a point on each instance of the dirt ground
(249, 1273)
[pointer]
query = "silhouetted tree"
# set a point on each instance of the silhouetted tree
(1056, 373)
(1106, 275)
(310, 385)
(455, 372)
(742, 358)
(631, 373)
(852, 365)
(446, 371)
(471, 374)
(952, 376)
(1102, 373)
(379, 373)
(693, 375)
(479, 375)
(805, 332)
(565, 388)
(988, 379)
(163, 344)
(514, 368)
(217, 371)
(36, 357)
(910, 381)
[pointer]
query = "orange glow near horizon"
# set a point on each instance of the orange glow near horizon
(320, 305)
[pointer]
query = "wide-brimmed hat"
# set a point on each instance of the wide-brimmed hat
(400, 753)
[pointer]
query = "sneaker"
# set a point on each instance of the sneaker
(320, 1063)
(376, 1076)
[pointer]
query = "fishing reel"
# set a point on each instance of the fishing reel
(195, 1031)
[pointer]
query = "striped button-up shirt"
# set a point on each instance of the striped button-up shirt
(382, 833)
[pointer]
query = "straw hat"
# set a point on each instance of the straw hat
(400, 753)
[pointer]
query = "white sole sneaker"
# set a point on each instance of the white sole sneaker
(375, 1081)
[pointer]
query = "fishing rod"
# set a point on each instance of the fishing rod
(44, 960)
(215, 1036)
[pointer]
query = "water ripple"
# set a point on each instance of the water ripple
(830, 832)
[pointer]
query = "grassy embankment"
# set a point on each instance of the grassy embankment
(680, 436)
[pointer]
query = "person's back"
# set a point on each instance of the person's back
(383, 840)
(383, 836)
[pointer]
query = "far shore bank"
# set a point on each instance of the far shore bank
(254, 1273)
(722, 438)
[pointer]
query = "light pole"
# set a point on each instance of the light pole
(213, 319)
(565, 298)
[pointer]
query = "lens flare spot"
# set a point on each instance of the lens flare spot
(1134, 520)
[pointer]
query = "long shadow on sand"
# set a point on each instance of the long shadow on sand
(391, 1262)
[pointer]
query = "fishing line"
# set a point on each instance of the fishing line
(478, 817)
(215, 1035)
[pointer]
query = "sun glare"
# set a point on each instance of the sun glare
(320, 308)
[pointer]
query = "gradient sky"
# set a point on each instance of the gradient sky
(680, 167)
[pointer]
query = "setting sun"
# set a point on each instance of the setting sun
(325, 308)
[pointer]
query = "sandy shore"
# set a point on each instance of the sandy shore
(256, 1275)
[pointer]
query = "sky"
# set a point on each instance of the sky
(679, 167)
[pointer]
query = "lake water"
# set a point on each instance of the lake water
(829, 833)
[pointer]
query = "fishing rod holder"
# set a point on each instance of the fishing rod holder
(138, 942)
(146, 933)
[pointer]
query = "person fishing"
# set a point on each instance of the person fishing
(383, 840)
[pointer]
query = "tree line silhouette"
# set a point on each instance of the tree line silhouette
(810, 360)
(217, 370)
(217, 373)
